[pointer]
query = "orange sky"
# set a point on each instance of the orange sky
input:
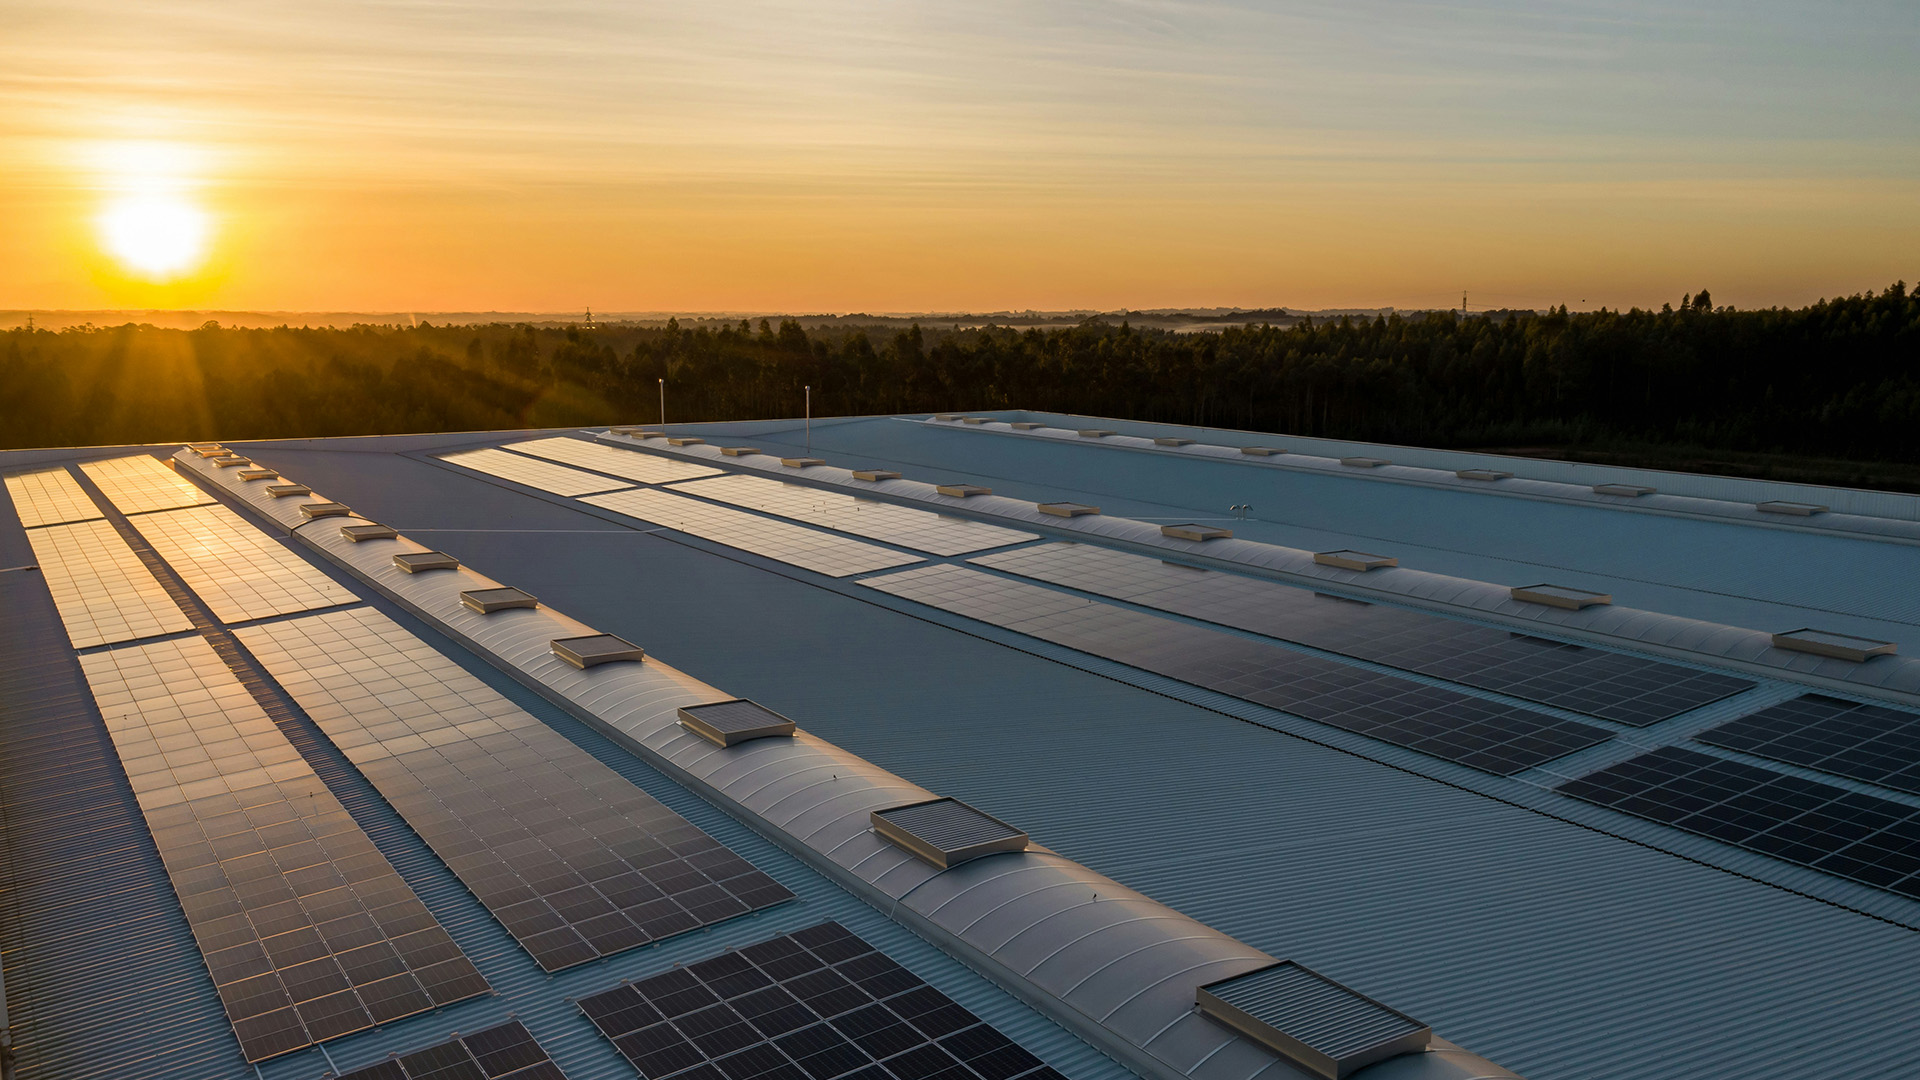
(909, 156)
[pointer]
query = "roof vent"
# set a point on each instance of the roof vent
(739, 451)
(323, 509)
(649, 434)
(947, 832)
(1482, 474)
(875, 475)
(258, 474)
(1191, 531)
(207, 450)
(1797, 509)
(961, 491)
(357, 533)
(1067, 509)
(228, 461)
(1093, 433)
(685, 440)
(725, 723)
(948, 416)
(1560, 596)
(976, 419)
(1261, 451)
(488, 601)
(801, 462)
(1172, 441)
(1311, 1020)
(592, 650)
(1364, 462)
(417, 562)
(1839, 646)
(281, 491)
(1026, 425)
(1631, 491)
(626, 429)
(1354, 560)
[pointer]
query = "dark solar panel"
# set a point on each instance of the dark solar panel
(507, 1052)
(1613, 686)
(1486, 735)
(1865, 742)
(1862, 837)
(816, 1004)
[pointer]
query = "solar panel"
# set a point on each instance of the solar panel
(1864, 838)
(905, 526)
(532, 472)
(1866, 742)
(506, 1052)
(1312, 1020)
(138, 484)
(240, 572)
(946, 832)
(573, 859)
(49, 497)
(823, 553)
(306, 929)
(104, 593)
(1493, 737)
(816, 1004)
(1626, 689)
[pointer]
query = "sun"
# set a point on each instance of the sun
(156, 235)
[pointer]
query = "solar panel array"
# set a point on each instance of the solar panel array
(506, 1052)
(628, 464)
(305, 927)
(1486, 735)
(809, 549)
(573, 859)
(240, 572)
(1865, 838)
(1613, 686)
(816, 1004)
(921, 530)
(534, 473)
(49, 497)
(1865, 742)
(104, 593)
(139, 484)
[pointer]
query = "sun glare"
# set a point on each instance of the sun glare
(151, 224)
(157, 236)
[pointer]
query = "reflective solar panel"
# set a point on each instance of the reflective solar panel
(104, 593)
(627, 464)
(921, 530)
(1625, 689)
(240, 572)
(532, 472)
(1485, 735)
(306, 929)
(506, 1052)
(810, 549)
(139, 484)
(1865, 742)
(1865, 838)
(815, 1004)
(49, 497)
(574, 860)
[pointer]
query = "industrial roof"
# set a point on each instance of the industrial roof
(1189, 822)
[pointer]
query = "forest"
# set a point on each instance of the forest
(1765, 392)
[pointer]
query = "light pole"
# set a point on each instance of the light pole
(809, 391)
(663, 403)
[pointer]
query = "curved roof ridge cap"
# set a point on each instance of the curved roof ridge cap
(1171, 976)
(1122, 957)
(967, 889)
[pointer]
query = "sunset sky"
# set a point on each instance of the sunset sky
(913, 156)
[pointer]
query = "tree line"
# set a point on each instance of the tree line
(1840, 378)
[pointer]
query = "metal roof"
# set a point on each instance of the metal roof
(1558, 941)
